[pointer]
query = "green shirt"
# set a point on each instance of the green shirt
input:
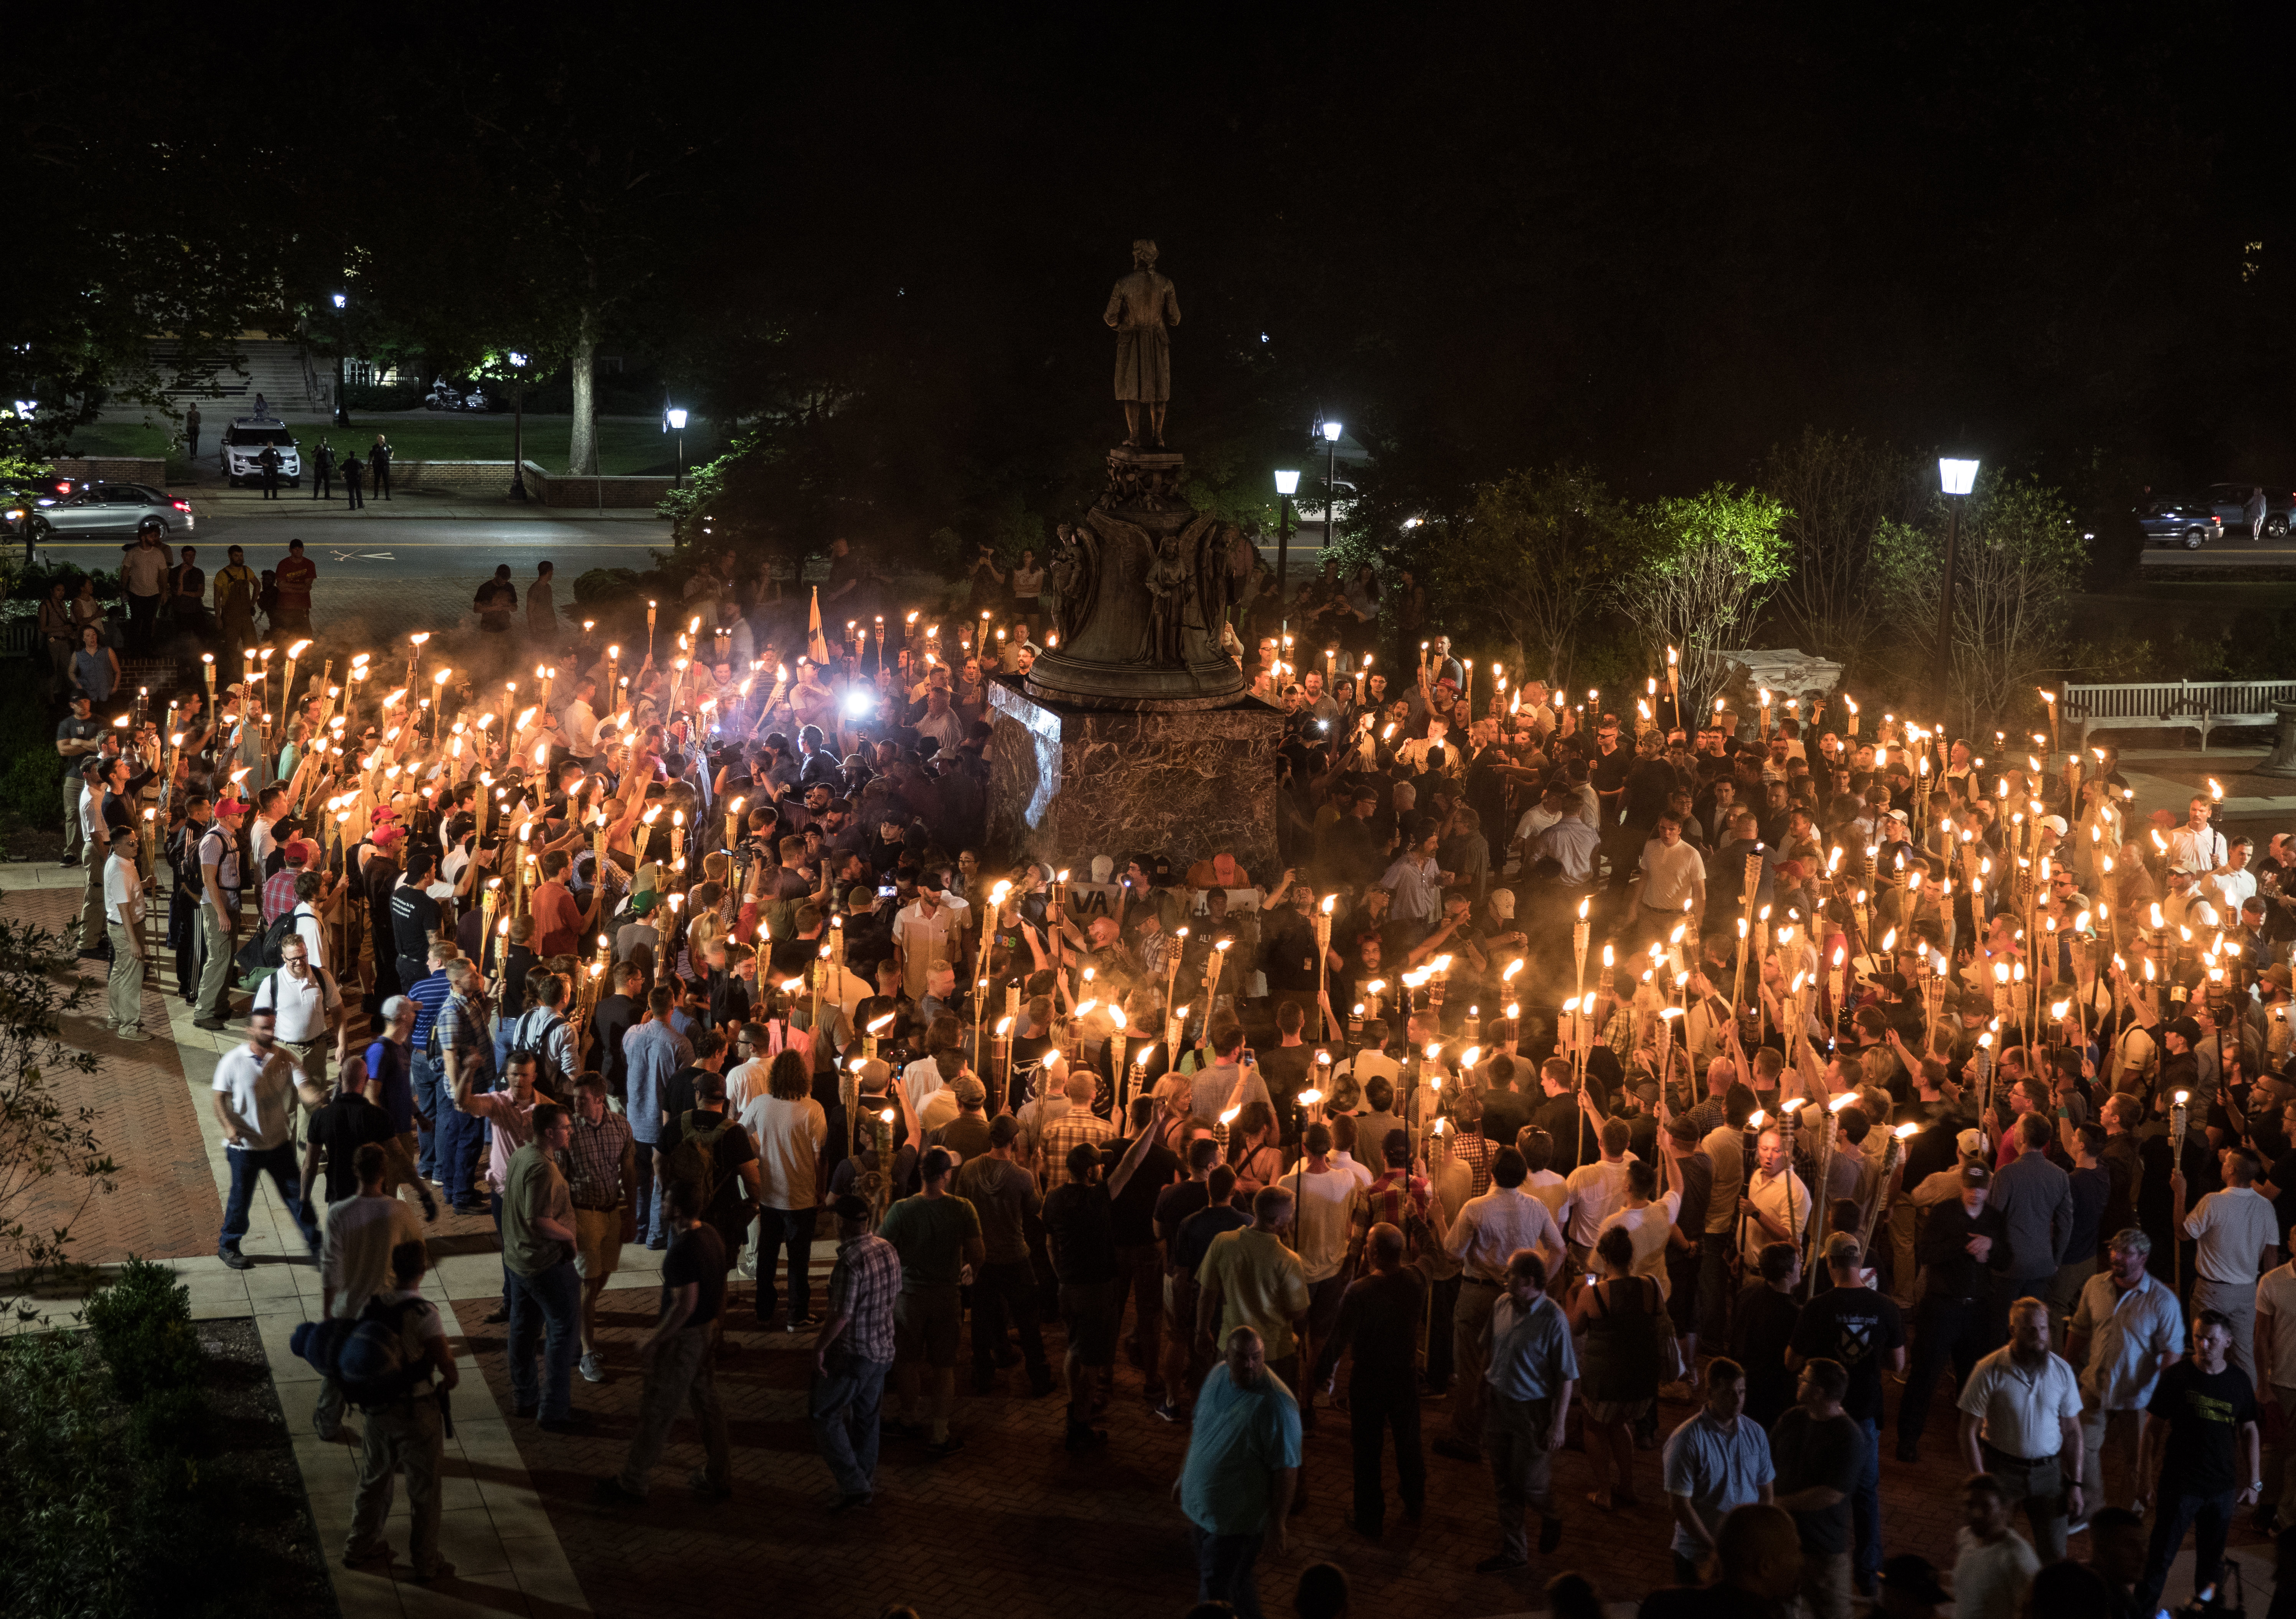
(929, 1234)
(536, 1190)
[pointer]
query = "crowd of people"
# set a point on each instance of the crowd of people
(1569, 1066)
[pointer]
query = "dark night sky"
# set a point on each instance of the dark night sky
(1658, 238)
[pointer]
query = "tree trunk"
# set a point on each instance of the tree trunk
(582, 459)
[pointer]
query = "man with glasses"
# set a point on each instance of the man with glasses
(308, 1009)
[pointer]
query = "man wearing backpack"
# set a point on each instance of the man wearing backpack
(543, 1030)
(307, 1009)
(407, 1430)
(219, 890)
(461, 1048)
(362, 1232)
(705, 1148)
(678, 1355)
(546, 1297)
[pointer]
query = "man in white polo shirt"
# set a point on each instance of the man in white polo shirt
(307, 1010)
(254, 1092)
(2020, 1422)
(2237, 1237)
(123, 918)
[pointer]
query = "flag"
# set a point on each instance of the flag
(815, 648)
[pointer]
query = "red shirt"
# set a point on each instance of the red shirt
(293, 577)
(557, 921)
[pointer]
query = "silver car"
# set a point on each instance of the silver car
(242, 451)
(2229, 501)
(109, 508)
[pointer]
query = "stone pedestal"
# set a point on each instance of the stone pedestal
(1066, 783)
(2282, 761)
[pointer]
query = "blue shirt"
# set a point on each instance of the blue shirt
(650, 1054)
(1531, 1356)
(428, 994)
(1715, 1469)
(1239, 1436)
(386, 1064)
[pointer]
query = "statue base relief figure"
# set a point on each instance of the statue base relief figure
(1135, 728)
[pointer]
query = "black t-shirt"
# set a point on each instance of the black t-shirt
(2205, 1414)
(1133, 1208)
(69, 729)
(340, 1129)
(695, 1255)
(1504, 1113)
(1079, 1220)
(1175, 1202)
(1196, 1232)
(1809, 1454)
(1858, 1326)
(414, 917)
(728, 1212)
(1761, 1329)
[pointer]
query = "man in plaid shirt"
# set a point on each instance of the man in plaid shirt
(279, 892)
(853, 1353)
(1079, 1124)
(1396, 1199)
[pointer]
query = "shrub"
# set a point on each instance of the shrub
(141, 1324)
(64, 1495)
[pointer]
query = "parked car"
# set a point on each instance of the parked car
(243, 449)
(2229, 501)
(109, 508)
(2180, 522)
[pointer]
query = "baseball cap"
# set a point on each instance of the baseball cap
(1002, 1128)
(2188, 1028)
(970, 1091)
(1973, 1172)
(1970, 1143)
(2056, 824)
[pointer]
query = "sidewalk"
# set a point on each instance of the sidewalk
(215, 501)
(175, 1174)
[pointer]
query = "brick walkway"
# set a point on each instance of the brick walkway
(1013, 1524)
(163, 1205)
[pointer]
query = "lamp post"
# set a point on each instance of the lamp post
(1331, 481)
(342, 412)
(674, 421)
(518, 362)
(1957, 478)
(1287, 484)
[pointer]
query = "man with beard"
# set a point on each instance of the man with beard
(2020, 1422)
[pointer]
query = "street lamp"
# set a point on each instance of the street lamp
(674, 421)
(1957, 478)
(1287, 484)
(343, 413)
(517, 425)
(1331, 481)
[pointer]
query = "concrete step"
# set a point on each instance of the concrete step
(272, 366)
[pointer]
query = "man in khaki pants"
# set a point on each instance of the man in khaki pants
(123, 918)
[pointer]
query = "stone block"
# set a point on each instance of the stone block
(1068, 782)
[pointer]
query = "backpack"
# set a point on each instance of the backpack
(364, 1355)
(547, 1072)
(260, 956)
(693, 1161)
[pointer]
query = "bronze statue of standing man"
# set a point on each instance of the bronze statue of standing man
(1144, 308)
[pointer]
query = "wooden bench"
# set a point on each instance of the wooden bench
(2202, 705)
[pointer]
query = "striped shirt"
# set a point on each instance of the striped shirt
(862, 1287)
(428, 994)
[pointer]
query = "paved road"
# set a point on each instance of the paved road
(2227, 553)
(414, 548)
(394, 574)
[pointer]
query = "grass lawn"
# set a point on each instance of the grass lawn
(623, 446)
